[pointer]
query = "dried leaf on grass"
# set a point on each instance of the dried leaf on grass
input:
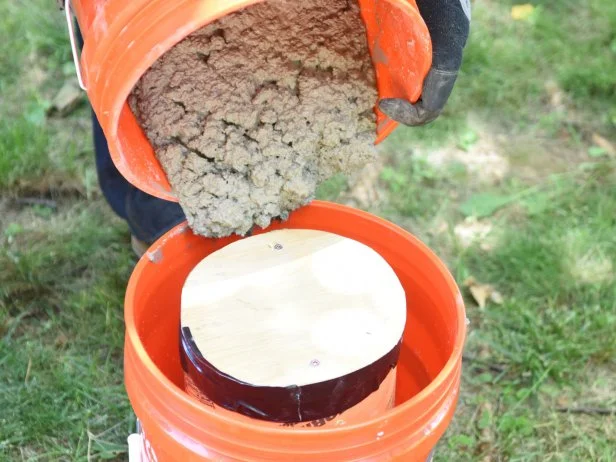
(28, 369)
(61, 340)
(522, 12)
(67, 99)
(482, 293)
(603, 143)
(497, 297)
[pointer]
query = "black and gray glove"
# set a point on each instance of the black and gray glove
(448, 22)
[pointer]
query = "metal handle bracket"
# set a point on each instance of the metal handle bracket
(71, 34)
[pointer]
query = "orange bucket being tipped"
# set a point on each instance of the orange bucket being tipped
(176, 426)
(122, 39)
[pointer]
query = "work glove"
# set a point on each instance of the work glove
(448, 22)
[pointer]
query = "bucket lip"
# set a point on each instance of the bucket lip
(446, 372)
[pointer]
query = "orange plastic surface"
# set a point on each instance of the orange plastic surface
(401, 52)
(179, 427)
(124, 38)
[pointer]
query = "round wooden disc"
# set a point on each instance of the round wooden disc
(293, 307)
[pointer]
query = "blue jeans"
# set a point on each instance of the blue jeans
(147, 216)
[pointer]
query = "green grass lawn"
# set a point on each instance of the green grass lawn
(514, 187)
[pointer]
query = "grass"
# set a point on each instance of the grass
(62, 280)
(512, 69)
(536, 95)
(558, 283)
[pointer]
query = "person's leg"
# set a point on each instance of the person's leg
(113, 185)
(150, 217)
(147, 216)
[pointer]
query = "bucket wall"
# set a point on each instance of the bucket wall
(122, 39)
(179, 427)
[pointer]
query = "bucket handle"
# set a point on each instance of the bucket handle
(71, 34)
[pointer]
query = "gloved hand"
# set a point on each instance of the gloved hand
(448, 22)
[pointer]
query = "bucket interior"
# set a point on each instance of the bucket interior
(432, 310)
(124, 39)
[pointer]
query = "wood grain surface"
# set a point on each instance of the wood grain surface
(293, 307)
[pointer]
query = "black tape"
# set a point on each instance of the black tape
(292, 404)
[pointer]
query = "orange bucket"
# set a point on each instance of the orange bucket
(176, 426)
(122, 39)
